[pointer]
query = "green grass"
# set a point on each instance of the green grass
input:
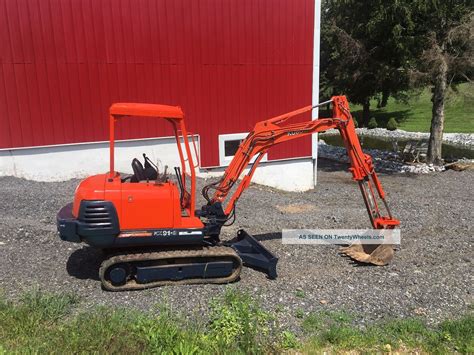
(337, 332)
(300, 294)
(46, 323)
(415, 115)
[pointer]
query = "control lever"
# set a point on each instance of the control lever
(149, 163)
(180, 183)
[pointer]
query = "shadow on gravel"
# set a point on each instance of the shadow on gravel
(84, 263)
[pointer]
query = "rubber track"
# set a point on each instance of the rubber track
(218, 252)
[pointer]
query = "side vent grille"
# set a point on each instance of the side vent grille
(97, 216)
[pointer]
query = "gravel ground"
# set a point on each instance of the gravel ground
(431, 275)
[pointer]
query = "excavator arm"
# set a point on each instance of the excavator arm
(271, 132)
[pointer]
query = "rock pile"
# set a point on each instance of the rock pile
(384, 161)
(459, 139)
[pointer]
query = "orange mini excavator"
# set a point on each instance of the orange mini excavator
(148, 225)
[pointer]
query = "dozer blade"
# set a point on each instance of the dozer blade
(254, 254)
(376, 254)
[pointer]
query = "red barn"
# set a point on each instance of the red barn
(228, 64)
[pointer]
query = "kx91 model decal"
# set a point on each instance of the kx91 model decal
(162, 233)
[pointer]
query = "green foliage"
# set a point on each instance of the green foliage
(237, 319)
(299, 313)
(392, 124)
(48, 306)
(288, 340)
(337, 332)
(365, 53)
(168, 333)
(414, 112)
(279, 308)
(300, 294)
(45, 323)
(445, 29)
(312, 323)
(460, 333)
(372, 123)
(317, 321)
(395, 48)
(104, 329)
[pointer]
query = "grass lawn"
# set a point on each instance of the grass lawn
(45, 323)
(415, 116)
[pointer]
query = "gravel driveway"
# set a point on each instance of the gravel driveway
(431, 275)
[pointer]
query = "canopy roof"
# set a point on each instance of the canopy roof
(146, 110)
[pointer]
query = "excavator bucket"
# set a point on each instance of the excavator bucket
(375, 254)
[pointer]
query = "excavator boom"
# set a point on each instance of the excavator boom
(266, 134)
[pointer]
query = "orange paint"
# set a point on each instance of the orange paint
(147, 205)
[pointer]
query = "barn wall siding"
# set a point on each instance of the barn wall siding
(227, 63)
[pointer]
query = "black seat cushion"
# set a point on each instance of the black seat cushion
(138, 171)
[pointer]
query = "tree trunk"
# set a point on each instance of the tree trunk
(437, 118)
(385, 96)
(366, 113)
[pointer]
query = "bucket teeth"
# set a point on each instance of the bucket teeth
(375, 254)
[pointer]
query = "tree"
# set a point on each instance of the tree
(445, 30)
(381, 48)
(366, 49)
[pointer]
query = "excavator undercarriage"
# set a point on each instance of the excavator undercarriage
(137, 270)
(141, 269)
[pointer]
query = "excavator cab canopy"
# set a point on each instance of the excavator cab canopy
(146, 110)
(175, 116)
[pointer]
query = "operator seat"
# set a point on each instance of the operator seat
(138, 171)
